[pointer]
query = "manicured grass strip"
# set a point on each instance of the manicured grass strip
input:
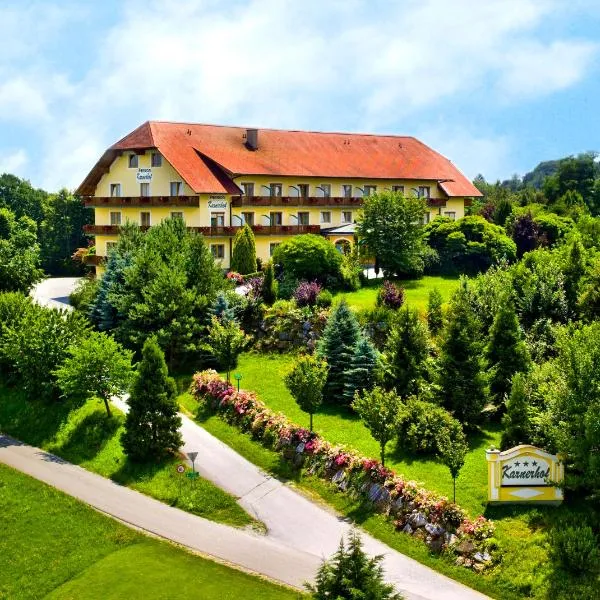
(53, 544)
(87, 437)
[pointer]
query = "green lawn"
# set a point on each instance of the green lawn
(53, 546)
(416, 292)
(86, 436)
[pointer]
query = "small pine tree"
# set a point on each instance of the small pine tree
(435, 317)
(506, 352)
(350, 573)
(152, 423)
(461, 384)
(362, 372)
(336, 346)
(269, 286)
(243, 256)
(516, 422)
(406, 353)
(221, 308)
(574, 271)
(102, 311)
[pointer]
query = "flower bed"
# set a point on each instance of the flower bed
(442, 525)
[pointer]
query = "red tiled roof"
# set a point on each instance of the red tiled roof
(207, 156)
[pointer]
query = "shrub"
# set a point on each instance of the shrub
(390, 295)
(287, 286)
(235, 277)
(243, 256)
(84, 295)
(324, 299)
(376, 323)
(575, 549)
(306, 293)
(269, 287)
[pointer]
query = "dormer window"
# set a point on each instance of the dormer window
(133, 161)
(156, 159)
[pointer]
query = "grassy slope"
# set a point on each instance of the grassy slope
(54, 546)
(87, 437)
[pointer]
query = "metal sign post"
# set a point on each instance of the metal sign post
(192, 457)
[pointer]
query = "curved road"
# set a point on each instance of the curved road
(54, 292)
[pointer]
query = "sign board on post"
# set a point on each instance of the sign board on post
(524, 474)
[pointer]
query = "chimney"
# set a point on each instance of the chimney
(252, 139)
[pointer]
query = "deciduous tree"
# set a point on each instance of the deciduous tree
(226, 341)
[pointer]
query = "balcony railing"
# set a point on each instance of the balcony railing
(294, 201)
(142, 201)
(94, 260)
(219, 231)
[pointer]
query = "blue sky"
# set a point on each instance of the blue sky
(495, 85)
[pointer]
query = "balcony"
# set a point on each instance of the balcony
(219, 231)
(93, 260)
(294, 201)
(142, 201)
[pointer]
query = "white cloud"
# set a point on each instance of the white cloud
(14, 163)
(21, 100)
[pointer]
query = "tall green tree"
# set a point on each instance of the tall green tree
(461, 385)
(390, 226)
(506, 352)
(362, 372)
(575, 269)
(21, 198)
(336, 346)
(269, 286)
(305, 382)
(152, 423)
(516, 421)
(406, 353)
(96, 366)
(435, 315)
(243, 256)
(379, 410)
(351, 574)
(226, 341)
(453, 449)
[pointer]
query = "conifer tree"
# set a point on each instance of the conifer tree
(336, 346)
(506, 352)
(516, 419)
(243, 256)
(269, 286)
(574, 271)
(461, 385)
(362, 372)
(152, 423)
(221, 308)
(406, 353)
(435, 318)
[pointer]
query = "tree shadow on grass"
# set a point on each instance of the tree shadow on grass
(335, 410)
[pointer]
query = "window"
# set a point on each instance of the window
(424, 191)
(370, 189)
(450, 214)
(248, 189)
(303, 190)
(399, 189)
(248, 218)
(303, 218)
(272, 247)
(217, 219)
(218, 250)
(115, 190)
(275, 218)
(325, 189)
(326, 216)
(110, 246)
(177, 215)
(115, 218)
(346, 216)
(426, 218)
(176, 188)
(145, 219)
(133, 161)
(275, 190)
(347, 191)
(156, 159)
(144, 189)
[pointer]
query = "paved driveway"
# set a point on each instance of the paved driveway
(54, 292)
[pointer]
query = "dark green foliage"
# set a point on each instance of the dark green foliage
(83, 297)
(337, 346)
(406, 353)
(226, 341)
(351, 575)
(243, 256)
(362, 372)
(19, 253)
(589, 300)
(390, 226)
(516, 421)
(435, 316)
(453, 449)
(502, 211)
(269, 286)
(506, 351)
(324, 299)
(574, 270)
(152, 423)
(575, 549)
(525, 233)
(21, 198)
(552, 228)
(310, 257)
(461, 385)
(13, 307)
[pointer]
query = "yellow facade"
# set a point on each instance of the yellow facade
(206, 210)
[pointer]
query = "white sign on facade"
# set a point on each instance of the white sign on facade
(217, 202)
(144, 175)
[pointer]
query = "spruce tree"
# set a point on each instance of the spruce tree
(516, 419)
(221, 308)
(435, 318)
(461, 385)
(269, 286)
(362, 372)
(406, 353)
(243, 256)
(506, 352)
(574, 271)
(336, 346)
(152, 423)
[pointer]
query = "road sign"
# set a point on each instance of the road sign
(192, 456)
(180, 468)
